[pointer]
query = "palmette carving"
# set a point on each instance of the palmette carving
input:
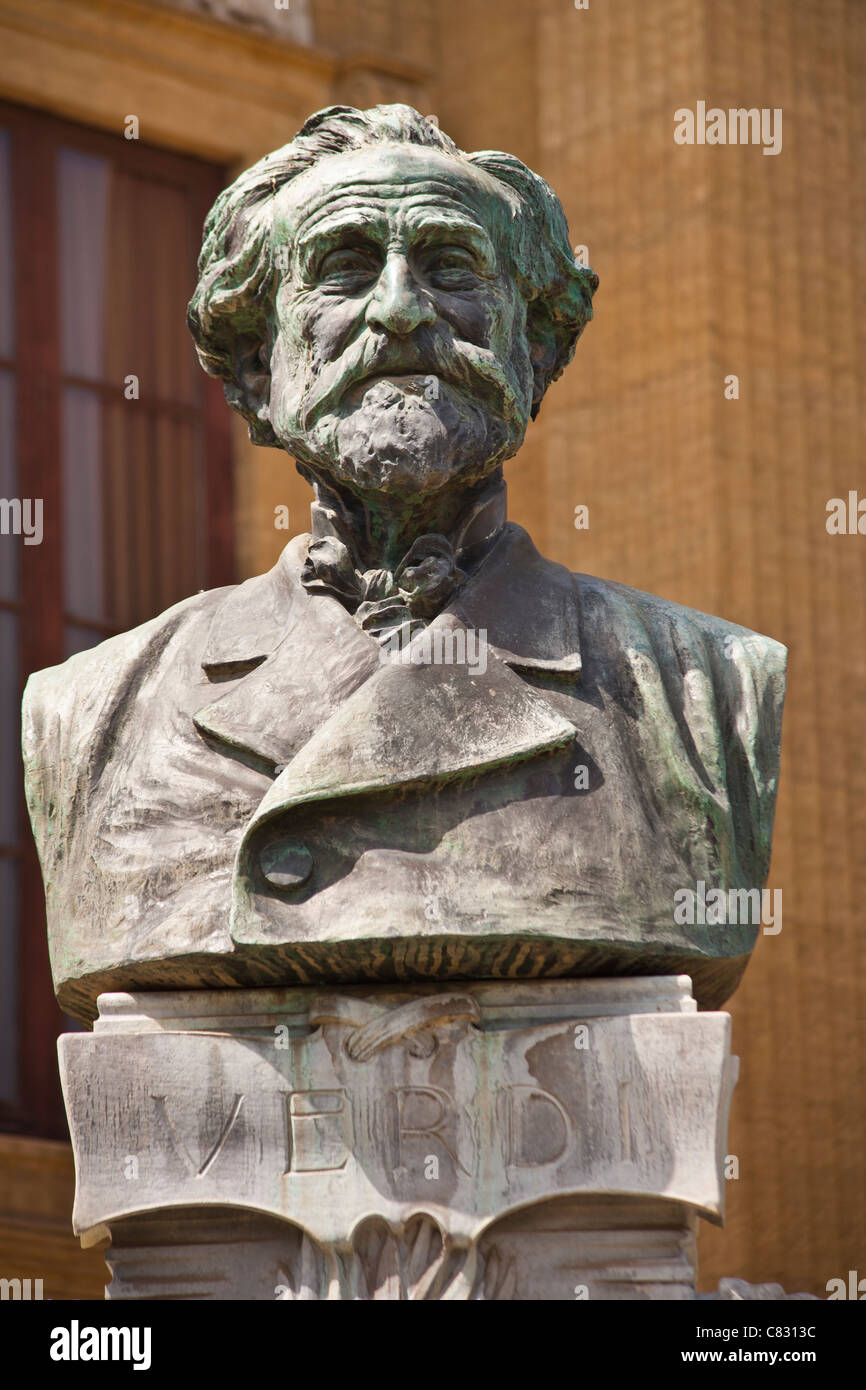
(415, 1264)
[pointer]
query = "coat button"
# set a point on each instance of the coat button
(286, 865)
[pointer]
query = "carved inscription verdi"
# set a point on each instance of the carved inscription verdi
(449, 1113)
(534, 1126)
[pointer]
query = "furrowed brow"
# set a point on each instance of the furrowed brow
(336, 231)
(454, 228)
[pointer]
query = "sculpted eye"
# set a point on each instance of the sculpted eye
(452, 268)
(347, 263)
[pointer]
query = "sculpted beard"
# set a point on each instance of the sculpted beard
(396, 418)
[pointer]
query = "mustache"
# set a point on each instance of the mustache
(426, 353)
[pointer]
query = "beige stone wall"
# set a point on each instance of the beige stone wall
(718, 260)
(789, 273)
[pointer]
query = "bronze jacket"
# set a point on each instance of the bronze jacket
(242, 791)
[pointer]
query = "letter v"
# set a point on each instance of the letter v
(221, 1138)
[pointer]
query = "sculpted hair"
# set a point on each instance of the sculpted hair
(230, 313)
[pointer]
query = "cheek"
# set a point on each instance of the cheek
(487, 320)
(323, 324)
(470, 316)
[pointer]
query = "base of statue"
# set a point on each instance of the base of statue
(543, 1140)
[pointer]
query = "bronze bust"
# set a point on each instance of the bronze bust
(415, 749)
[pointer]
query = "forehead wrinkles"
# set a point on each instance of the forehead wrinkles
(382, 199)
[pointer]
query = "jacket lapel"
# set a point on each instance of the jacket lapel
(304, 654)
(296, 659)
(528, 605)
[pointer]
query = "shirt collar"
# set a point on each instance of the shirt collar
(528, 605)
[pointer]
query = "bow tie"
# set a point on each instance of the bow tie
(383, 600)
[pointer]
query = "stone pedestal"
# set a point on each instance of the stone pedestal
(547, 1140)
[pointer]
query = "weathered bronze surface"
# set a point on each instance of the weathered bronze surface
(416, 748)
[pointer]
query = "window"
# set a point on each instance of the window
(115, 474)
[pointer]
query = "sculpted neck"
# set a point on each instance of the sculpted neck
(380, 529)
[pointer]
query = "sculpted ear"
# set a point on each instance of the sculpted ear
(250, 391)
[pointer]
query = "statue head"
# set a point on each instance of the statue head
(386, 307)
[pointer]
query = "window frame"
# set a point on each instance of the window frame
(35, 138)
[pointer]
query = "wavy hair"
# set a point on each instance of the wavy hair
(229, 314)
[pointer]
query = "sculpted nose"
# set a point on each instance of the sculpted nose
(399, 304)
